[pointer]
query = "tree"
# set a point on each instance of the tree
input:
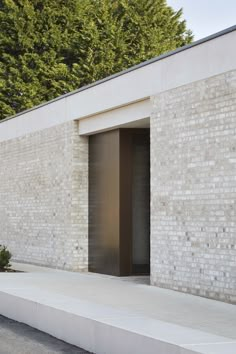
(51, 47)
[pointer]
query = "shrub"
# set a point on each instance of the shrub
(5, 257)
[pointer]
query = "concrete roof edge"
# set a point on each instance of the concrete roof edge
(133, 68)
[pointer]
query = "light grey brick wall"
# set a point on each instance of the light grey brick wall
(44, 197)
(193, 188)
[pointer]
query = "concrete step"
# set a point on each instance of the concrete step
(97, 327)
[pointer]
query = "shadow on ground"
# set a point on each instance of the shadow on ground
(18, 338)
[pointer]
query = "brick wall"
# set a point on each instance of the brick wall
(193, 188)
(43, 197)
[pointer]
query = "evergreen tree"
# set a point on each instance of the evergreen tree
(51, 47)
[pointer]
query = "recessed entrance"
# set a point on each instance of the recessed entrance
(119, 202)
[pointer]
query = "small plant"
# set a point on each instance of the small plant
(5, 257)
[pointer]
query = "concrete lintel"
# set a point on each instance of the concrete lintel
(126, 115)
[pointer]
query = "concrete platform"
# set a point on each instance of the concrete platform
(18, 338)
(104, 314)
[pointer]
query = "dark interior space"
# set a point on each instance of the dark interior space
(119, 202)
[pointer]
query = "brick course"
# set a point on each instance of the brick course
(44, 197)
(193, 188)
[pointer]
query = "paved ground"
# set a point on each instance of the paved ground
(17, 338)
(127, 293)
(115, 315)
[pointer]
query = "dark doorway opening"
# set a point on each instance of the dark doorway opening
(119, 202)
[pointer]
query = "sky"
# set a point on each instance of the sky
(205, 17)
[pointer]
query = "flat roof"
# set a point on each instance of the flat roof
(135, 67)
(208, 57)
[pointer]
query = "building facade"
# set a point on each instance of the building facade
(133, 174)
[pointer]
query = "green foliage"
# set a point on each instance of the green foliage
(5, 257)
(51, 47)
